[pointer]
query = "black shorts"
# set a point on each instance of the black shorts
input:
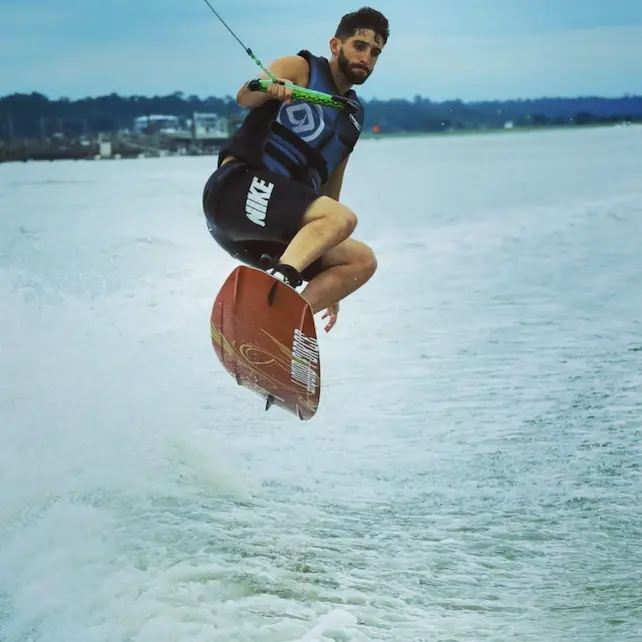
(253, 211)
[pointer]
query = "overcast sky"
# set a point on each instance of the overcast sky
(468, 49)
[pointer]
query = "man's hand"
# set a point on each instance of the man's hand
(287, 69)
(331, 314)
(280, 91)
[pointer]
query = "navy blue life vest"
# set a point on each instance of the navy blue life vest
(301, 140)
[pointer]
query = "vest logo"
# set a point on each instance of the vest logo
(306, 120)
(257, 201)
(355, 122)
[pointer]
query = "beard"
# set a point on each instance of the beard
(353, 72)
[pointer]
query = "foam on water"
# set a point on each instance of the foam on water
(472, 474)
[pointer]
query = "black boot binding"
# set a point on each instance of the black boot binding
(290, 276)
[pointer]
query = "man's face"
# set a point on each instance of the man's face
(358, 55)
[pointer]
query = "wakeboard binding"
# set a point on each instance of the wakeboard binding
(290, 275)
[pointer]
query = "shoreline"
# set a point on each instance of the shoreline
(125, 147)
(493, 130)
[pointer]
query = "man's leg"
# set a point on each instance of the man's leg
(345, 268)
(318, 226)
(325, 224)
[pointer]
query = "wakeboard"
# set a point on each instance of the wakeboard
(263, 333)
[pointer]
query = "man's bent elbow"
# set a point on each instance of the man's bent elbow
(246, 97)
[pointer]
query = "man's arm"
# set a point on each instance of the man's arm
(292, 68)
(332, 187)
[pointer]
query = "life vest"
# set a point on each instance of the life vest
(301, 140)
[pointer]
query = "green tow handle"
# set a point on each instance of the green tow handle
(309, 95)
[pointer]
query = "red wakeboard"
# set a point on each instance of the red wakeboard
(264, 335)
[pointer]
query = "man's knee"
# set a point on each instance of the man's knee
(353, 253)
(365, 260)
(334, 213)
(346, 218)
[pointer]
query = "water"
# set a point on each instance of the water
(474, 469)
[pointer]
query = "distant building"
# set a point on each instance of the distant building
(156, 123)
(209, 125)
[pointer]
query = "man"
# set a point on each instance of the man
(273, 201)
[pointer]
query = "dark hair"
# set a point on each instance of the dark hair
(365, 18)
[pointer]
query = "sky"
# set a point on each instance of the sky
(439, 49)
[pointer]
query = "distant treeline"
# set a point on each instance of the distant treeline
(34, 115)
